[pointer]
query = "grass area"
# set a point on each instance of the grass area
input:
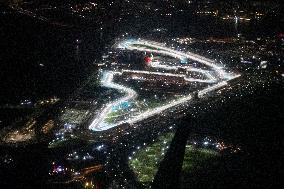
(113, 115)
(154, 103)
(149, 104)
(196, 157)
(145, 162)
(67, 142)
(140, 105)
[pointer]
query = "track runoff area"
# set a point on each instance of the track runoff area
(216, 81)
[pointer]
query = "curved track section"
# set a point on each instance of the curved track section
(98, 123)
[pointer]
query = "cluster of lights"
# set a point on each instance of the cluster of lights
(218, 145)
(76, 156)
(48, 101)
(85, 7)
(57, 169)
(60, 135)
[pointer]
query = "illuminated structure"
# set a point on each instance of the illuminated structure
(218, 79)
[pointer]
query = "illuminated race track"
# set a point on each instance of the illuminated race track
(210, 78)
(172, 104)
(107, 81)
(98, 124)
(186, 78)
(161, 49)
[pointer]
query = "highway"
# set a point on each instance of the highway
(98, 123)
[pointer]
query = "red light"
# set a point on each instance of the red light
(148, 60)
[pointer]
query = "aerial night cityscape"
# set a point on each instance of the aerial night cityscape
(129, 94)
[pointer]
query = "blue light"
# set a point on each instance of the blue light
(123, 105)
(183, 61)
(206, 143)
